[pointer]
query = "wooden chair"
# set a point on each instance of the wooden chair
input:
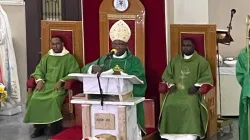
(205, 42)
(71, 33)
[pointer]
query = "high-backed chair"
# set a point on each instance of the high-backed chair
(134, 16)
(71, 33)
(204, 37)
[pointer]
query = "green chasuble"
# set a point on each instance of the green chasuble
(130, 65)
(182, 113)
(243, 77)
(44, 107)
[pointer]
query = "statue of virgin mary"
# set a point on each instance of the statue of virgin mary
(8, 68)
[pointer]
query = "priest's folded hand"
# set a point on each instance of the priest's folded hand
(96, 69)
(193, 90)
(172, 89)
(39, 86)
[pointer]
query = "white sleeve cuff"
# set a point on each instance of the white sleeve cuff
(198, 85)
(39, 80)
(90, 69)
(170, 85)
(122, 73)
(62, 80)
(108, 72)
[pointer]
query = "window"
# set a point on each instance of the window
(52, 9)
(12, 2)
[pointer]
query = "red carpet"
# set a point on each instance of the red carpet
(75, 133)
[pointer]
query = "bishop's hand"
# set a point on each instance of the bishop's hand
(193, 90)
(96, 69)
(172, 89)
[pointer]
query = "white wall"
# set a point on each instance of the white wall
(184, 12)
(191, 11)
(16, 15)
(219, 13)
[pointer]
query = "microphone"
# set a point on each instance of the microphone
(106, 61)
(112, 52)
(233, 11)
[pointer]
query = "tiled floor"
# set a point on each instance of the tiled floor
(227, 135)
(12, 128)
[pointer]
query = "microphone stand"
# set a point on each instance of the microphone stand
(223, 122)
(229, 27)
(228, 35)
(106, 61)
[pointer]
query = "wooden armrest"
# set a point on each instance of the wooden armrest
(149, 110)
(205, 88)
(31, 83)
(72, 84)
(163, 87)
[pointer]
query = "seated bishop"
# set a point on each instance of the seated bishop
(122, 63)
(45, 102)
(184, 114)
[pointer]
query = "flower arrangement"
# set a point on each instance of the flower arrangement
(3, 93)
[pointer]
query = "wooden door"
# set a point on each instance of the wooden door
(205, 42)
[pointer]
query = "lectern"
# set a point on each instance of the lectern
(116, 119)
(223, 37)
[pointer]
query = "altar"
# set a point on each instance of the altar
(109, 117)
(116, 120)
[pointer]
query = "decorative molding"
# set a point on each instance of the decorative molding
(12, 2)
(121, 16)
(103, 17)
(139, 18)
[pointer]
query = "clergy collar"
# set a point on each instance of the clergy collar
(64, 52)
(187, 56)
(122, 56)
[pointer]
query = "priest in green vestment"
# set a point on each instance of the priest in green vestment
(45, 102)
(124, 63)
(243, 77)
(184, 114)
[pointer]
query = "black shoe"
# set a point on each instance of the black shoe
(37, 133)
(55, 128)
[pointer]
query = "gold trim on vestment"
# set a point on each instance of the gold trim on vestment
(47, 122)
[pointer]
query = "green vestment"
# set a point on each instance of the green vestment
(182, 113)
(130, 65)
(243, 77)
(44, 107)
